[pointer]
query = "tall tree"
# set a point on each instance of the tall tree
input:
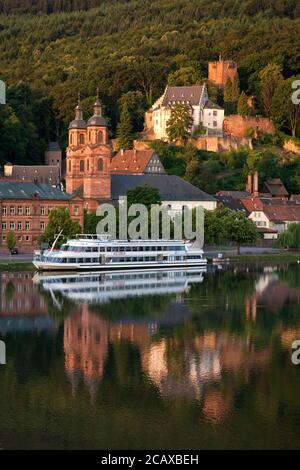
(60, 220)
(124, 129)
(180, 123)
(270, 77)
(286, 114)
(242, 107)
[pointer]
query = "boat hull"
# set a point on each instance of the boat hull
(44, 266)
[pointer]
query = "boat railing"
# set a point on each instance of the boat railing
(103, 237)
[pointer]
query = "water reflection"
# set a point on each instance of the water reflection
(173, 352)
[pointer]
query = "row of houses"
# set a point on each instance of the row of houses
(272, 209)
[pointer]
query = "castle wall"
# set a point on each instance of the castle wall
(236, 125)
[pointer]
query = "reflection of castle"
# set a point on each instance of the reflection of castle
(270, 292)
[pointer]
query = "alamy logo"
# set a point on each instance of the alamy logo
(296, 352)
(2, 352)
(2, 92)
(296, 94)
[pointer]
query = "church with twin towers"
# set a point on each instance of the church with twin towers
(97, 175)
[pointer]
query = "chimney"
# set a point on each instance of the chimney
(122, 152)
(255, 184)
(134, 153)
(249, 184)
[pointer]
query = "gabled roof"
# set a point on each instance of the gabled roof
(131, 161)
(210, 105)
(170, 187)
(275, 187)
(28, 190)
(234, 194)
(276, 211)
(282, 213)
(182, 95)
(42, 173)
(231, 203)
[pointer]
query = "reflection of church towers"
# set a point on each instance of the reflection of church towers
(86, 348)
(86, 342)
(89, 157)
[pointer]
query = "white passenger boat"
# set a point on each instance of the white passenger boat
(99, 252)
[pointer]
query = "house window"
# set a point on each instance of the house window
(88, 165)
(215, 123)
(27, 238)
(42, 210)
(76, 210)
(20, 210)
(12, 209)
(49, 210)
(27, 210)
(19, 225)
(42, 225)
(100, 164)
(81, 167)
(27, 225)
(12, 225)
(70, 166)
(3, 225)
(4, 210)
(81, 139)
(215, 113)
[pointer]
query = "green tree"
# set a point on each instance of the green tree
(185, 76)
(143, 195)
(242, 107)
(286, 114)
(11, 240)
(136, 105)
(225, 225)
(240, 229)
(60, 220)
(235, 88)
(180, 123)
(270, 77)
(124, 129)
(291, 237)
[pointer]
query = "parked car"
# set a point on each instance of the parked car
(14, 251)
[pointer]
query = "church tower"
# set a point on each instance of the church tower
(89, 157)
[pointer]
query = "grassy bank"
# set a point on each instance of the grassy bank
(16, 266)
(267, 257)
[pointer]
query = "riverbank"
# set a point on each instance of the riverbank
(15, 266)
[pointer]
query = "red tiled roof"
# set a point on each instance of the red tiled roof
(279, 213)
(252, 204)
(275, 210)
(131, 161)
(276, 187)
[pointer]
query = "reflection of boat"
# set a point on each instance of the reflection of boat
(100, 287)
(99, 252)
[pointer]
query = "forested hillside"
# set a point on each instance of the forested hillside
(129, 50)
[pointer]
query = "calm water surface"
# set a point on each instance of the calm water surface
(178, 360)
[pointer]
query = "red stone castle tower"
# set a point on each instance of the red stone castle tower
(219, 71)
(89, 157)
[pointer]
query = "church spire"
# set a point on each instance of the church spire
(78, 110)
(97, 105)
